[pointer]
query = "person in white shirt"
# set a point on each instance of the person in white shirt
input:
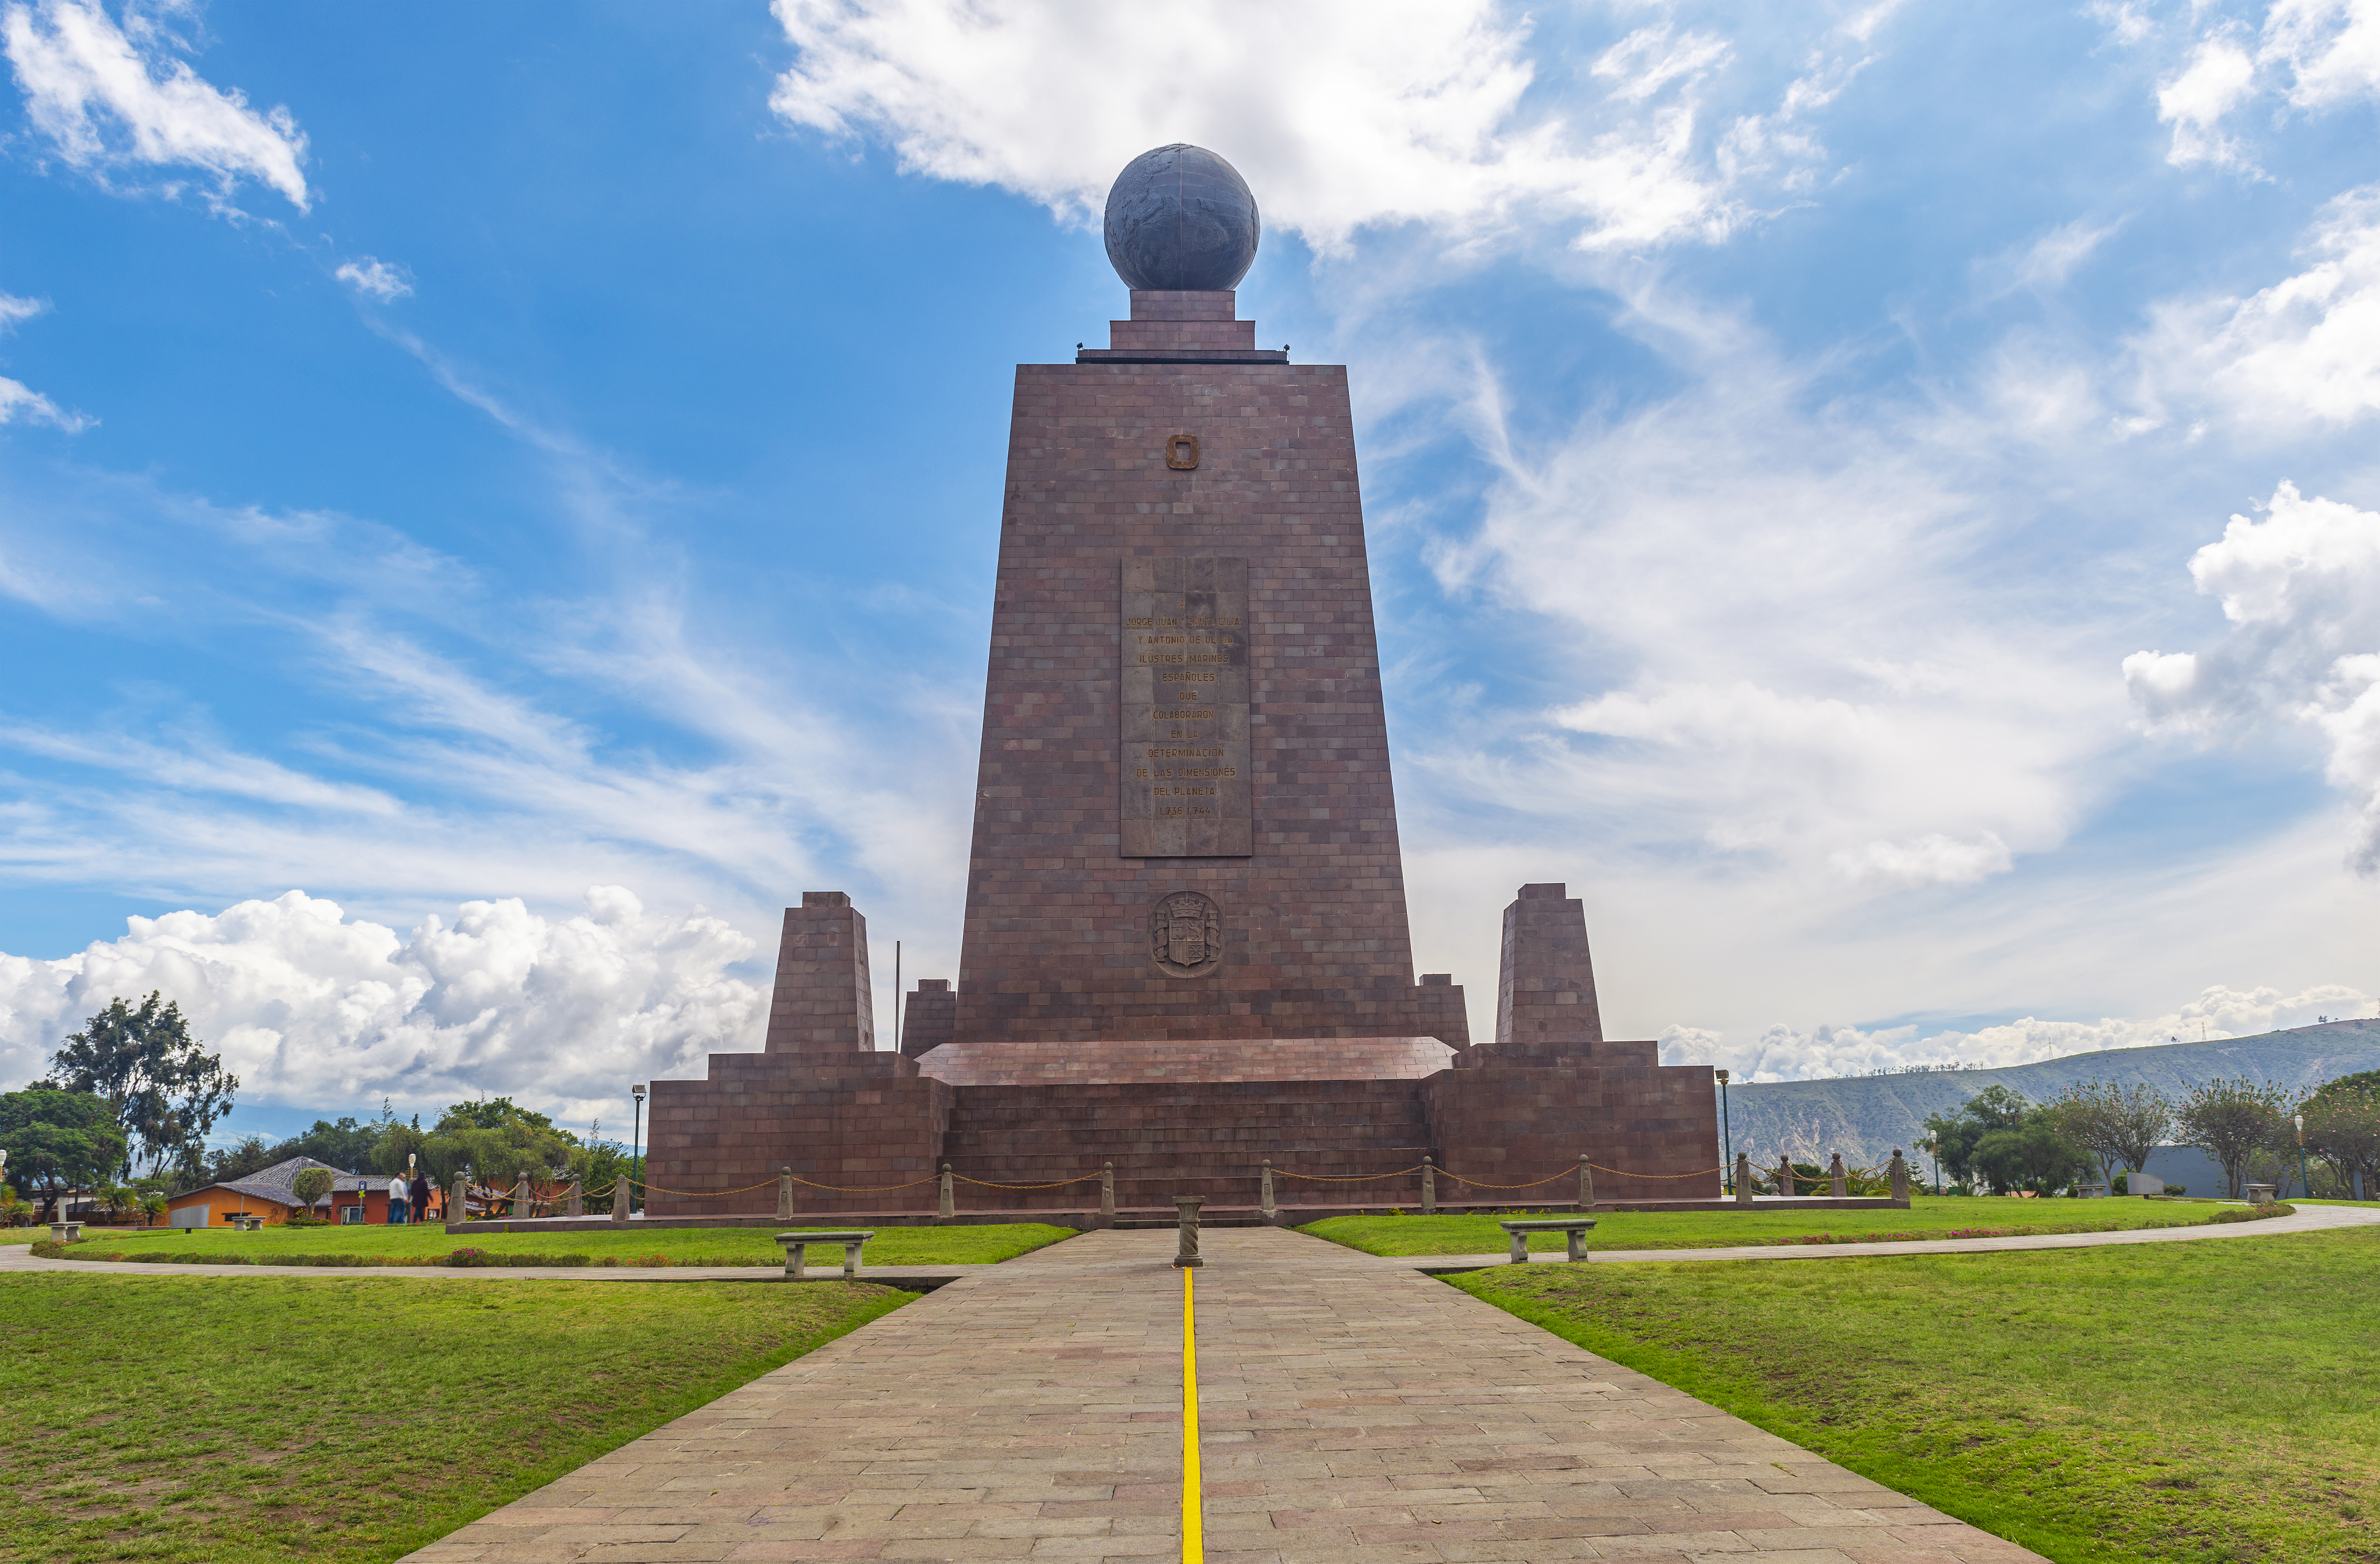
(396, 1201)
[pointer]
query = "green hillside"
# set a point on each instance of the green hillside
(1867, 1118)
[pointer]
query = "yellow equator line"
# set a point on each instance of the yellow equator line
(1194, 1542)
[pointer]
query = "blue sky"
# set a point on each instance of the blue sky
(1881, 500)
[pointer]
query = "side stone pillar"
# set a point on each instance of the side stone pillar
(1107, 1195)
(1586, 1184)
(1899, 1174)
(1744, 1178)
(1838, 1178)
(458, 1203)
(1428, 1185)
(1545, 991)
(949, 1208)
(1785, 1184)
(824, 1006)
(784, 1193)
(576, 1205)
(1264, 1192)
(524, 1201)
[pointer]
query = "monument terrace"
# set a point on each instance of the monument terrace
(1185, 950)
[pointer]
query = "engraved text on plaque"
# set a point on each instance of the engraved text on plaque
(1185, 708)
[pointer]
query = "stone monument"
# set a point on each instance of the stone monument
(1185, 946)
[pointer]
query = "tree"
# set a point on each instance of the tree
(2117, 1124)
(58, 1139)
(2032, 1155)
(158, 1084)
(310, 1185)
(2342, 1126)
(2233, 1120)
(345, 1144)
(231, 1163)
(1953, 1137)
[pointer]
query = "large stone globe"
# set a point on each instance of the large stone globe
(1181, 217)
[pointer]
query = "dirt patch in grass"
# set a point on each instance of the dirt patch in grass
(237, 1419)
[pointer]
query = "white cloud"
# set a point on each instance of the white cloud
(14, 310)
(2047, 261)
(2301, 590)
(20, 403)
(2220, 75)
(2330, 49)
(2305, 350)
(1786, 1053)
(1931, 859)
(376, 278)
(105, 98)
(1342, 114)
(311, 1008)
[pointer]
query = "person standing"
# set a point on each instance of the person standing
(396, 1193)
(418, 1191)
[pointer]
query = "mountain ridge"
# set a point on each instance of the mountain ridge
(1866, 1117)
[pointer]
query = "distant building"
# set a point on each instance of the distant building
(354, 1197)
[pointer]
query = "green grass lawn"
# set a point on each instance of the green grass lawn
(1928, 1217)
(2184, 1403)
(677, 1246)
(271, 1418)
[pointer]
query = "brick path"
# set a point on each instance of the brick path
(1352, 1410)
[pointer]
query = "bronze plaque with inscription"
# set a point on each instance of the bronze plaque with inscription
(1185, 708)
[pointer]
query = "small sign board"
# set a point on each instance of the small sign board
(191, 1216)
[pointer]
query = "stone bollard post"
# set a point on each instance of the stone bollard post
(577, 1199)
(784, 1193)
(620, 1190)
(1586, 1184)
(522, 1204)
(1188, 1205)
(1264, 1193)
(1744, 1178)
(1785, 1184)
(458, 1204)
(950, 1208)
(1900, 1173)
(1429, 1187)
(1837, 1178)
(1107, 1195)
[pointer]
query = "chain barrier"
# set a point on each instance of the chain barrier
(1350, 1179)
(1618, 1173)
(986, 1184)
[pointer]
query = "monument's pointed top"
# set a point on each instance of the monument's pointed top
(1182, 219)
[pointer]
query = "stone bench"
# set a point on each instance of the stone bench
(65, 1232)
(246, 1221)
(798, 1246)
(1572, 1228)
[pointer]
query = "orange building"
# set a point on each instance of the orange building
(354, 1197)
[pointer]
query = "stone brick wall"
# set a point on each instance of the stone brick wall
(1056, 941)
(823, 1004)
(1545, 988)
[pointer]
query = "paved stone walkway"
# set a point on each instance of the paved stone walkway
(1352, 1410)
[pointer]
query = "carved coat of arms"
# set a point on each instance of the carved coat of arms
(1185, 934)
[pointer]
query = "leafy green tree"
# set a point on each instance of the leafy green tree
(2233, 1120)
(250, 1154)
(1953, 1137)
(310, 1185)
(159, 1085)
(347, 1143)
(58, 1139)
(2342, 1126)
(2117, 1124)
(153, 1207)
(2032, 1155)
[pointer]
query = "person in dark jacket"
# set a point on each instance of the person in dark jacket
(419, 1194)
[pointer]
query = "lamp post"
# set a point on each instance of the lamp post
(2306, 1188)
(637, 1147)
(1727, 1130)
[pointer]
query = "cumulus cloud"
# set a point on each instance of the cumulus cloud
(2330, 49)
(1785, 1053)
(376, 279)
(2305, 350)
(14, 310)
(20, 403)
(2219, 76)
(1341, 116)
(106, 98)
(311, 1008)
(2301, 590)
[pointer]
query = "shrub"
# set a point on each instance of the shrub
(2257, 1213)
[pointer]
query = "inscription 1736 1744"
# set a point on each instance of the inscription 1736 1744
(1184, 742)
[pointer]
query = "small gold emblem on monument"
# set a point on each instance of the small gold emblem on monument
(1181, 452)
